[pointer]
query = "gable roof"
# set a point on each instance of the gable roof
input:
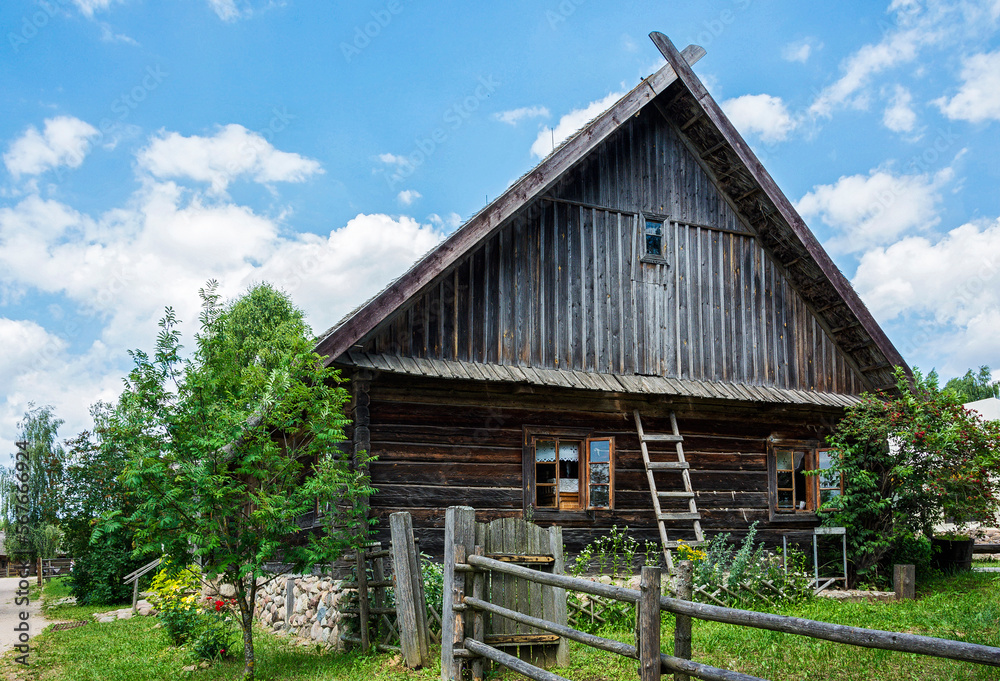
(682, 99)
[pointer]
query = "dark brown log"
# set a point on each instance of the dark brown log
(648, 624)
(682, 623)
(511, 662)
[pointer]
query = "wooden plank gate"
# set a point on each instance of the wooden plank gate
(384, 620)
(514, 542)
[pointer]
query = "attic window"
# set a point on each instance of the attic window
(652, 237)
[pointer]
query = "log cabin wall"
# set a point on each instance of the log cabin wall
(564, 285)
(441, 443)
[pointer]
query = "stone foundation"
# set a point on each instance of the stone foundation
(304, 606)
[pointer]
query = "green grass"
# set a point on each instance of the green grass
(964, 607)
(57, 588)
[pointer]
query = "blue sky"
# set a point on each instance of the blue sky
(150, 146)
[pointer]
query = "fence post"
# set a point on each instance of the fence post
(363, 614)
(39, 568)
(412, 636)
(903, 581)
(649, 624)
(459, 530)
(682, 625)
(478, 620)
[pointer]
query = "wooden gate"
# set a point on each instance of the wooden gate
(511, 541)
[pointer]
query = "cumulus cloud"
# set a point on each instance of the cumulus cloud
(549, 138)
(408, 196)
(866, 211)
(949, 285)
(978, 98)
(64, 141)
(899, 116)
(26, 344)
(88, 7)
(231, 153)
(515, 116)
(763, 115)
(800, 50)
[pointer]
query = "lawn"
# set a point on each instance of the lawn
(966, 607)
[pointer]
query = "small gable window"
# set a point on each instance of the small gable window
(654, 238)
(802, 478)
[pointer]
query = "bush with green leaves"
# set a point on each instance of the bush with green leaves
(750, 571)
(910, 460)
(97, 574)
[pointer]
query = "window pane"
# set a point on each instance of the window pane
(784, 457)
(784, 498)
(569, 451)
(825, 460)
(828, 495)
(654, 238)
(599, 496)
(829, 479)
(545, 451)
(545, 496)
(600, 450)
(600, 473)
(785, 479)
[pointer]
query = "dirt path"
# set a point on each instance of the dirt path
(10, 614)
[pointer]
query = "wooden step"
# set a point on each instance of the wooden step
(647, 437)
(675, 544)
(668, 465)
(678, 516)
(676, 495)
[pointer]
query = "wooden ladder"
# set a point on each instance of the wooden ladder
(683, 467)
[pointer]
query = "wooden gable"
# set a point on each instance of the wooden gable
(551, 275)
(563, 285)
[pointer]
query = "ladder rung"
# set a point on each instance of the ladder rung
(675, 544)
(677, 495)
(662, 438)
(667, 465)
(678, 516)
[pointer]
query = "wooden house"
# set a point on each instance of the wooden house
(639, 332)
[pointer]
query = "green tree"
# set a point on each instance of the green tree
(909, 462)
(237, 443)
(972, 387)
(96, 499)
(31, 490)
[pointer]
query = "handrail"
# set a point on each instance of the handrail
(136, 574)
(865, 638)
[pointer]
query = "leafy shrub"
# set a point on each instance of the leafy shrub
(98, 572)
(174, 594)
(744, 571)
(433, 575)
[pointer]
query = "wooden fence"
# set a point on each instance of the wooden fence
(468, 640)
(513, 542)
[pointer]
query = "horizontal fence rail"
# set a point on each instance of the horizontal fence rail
(866, 638)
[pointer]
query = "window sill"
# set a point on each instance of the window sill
(551, 514)
(653, 260)
(803, 517)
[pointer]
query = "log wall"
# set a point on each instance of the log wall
(442, 443)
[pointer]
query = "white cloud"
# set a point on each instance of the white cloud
(800, 50)
(549, 138)
(408, 196)
(225, 9)
(762, 115)
(88, 7)
(65, 141)
(109, 36)
(978, 99)
(397, 160)
(231, 153)
(25, 344)
(949, 287)
(899, 116)
(865, 211)
(515, 116)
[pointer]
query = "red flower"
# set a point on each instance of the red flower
(218, 605)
